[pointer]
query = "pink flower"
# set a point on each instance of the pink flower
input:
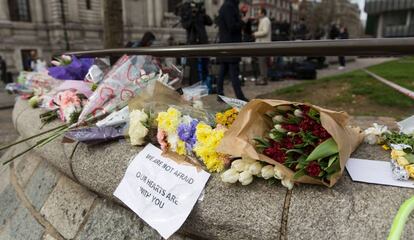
(161, 138)
(68, 98)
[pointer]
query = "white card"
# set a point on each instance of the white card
(376, 172)
(161, 191)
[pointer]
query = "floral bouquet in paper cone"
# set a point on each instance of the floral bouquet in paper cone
(293, 142)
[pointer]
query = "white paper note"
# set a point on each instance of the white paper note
(161, 191)
(376, 172)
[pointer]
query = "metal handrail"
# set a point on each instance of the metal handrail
(348, 47)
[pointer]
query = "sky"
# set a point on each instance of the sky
(361, 4)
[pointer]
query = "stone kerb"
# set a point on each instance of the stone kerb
(349, 210)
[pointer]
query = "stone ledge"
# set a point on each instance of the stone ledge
(348, 210)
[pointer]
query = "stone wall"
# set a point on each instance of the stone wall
(349, 210)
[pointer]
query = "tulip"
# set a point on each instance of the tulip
(239, 165)
(410, 170)
(55, 63)
(66, 58)
(287, 184)
(395, 154)
(255, 168)
(268, 172)
(278, 173)
(245, 178)
(230, 176)
(278, 119)
(298, 113)
(279, 128)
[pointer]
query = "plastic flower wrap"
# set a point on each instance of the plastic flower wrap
(70, 68)
(129, 77)
(304, 143)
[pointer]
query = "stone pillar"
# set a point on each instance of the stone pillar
(73, 11)
(150, 12)
(380, 27)
(159, 13)
(4, 11)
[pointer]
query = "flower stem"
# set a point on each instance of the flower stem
(31, 137)
(400, 219)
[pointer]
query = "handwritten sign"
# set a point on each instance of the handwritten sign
(161, 191)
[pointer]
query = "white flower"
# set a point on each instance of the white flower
(278, 118)
(287, 183)
(55, 63)
(137, 131)
(279, 128)
(268, 171)
(255, 168)
(239, 165)
(197, 104)
(278, 173)
(66, 58)
(68, 111)
(172, 140)
(245, 178)
(298, 113)
(230, 176)
(373, 135)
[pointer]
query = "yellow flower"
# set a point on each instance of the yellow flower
(385, 147)
(395, 154)
(181, 150)
(203, 131)
(227, 118)
(402, 161)
(169, 120)
(410, 170)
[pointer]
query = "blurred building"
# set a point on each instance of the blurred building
(278, 10)
(390, 18)
(321, 14)
(49, 26)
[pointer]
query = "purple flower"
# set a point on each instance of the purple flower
(186, 132)
(76, 70)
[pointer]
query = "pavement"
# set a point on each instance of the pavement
(251, 90)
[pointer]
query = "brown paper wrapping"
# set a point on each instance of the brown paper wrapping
(252, 122)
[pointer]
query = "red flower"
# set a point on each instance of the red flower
(305, 109)
(297, 140)
(291, 127)
(307, 124)
(287, 143)
(313, 169)
(275, 153)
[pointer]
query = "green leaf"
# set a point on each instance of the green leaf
(335, 167)
(261, 141)
(332, 160)
(410, 158)
(314, 115)
(299, 173)
(294, 150)
(325, 149)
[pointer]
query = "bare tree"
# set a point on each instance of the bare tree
(113, 24)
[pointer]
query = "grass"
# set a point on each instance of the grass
(357, 93)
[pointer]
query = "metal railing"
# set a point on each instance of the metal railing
(349, 47)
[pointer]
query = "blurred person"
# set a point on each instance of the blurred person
(247, 36)
(343, 34)
(333, 32)
(194, 20)
(230, 31)
(3, 70)
(263, 34)
(146, 41)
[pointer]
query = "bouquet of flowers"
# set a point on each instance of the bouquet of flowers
(293, 142)
(188, 136)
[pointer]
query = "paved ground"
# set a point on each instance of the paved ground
(251, 90)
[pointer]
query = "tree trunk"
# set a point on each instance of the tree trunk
(113, 24)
